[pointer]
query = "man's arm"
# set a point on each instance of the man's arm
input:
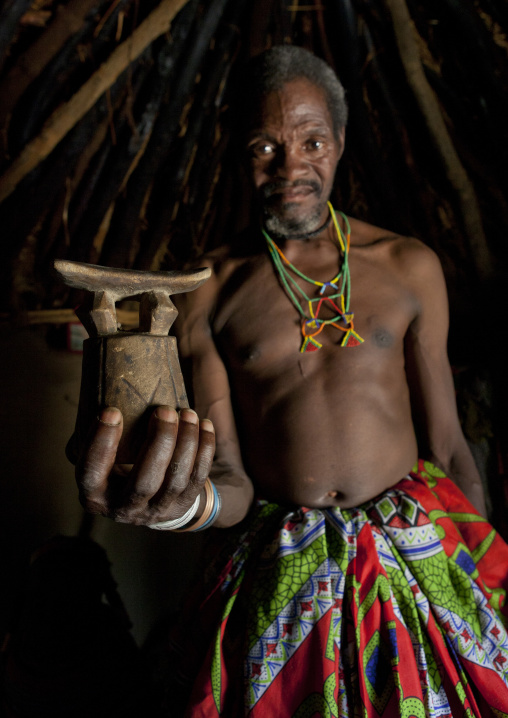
(440, 437)
(178, 455)
(212, 398)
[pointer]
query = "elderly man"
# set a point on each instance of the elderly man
(346, 588)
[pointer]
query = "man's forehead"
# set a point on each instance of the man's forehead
(299, 97)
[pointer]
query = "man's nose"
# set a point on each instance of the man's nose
(290, 163)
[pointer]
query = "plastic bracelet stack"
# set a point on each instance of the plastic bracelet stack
(176, 523)
(213, 505)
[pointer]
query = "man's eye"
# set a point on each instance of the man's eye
(261, 150)
(315, 145)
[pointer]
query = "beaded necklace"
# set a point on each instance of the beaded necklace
(311, 324)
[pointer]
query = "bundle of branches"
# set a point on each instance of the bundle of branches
(107, 115)
(115, 146)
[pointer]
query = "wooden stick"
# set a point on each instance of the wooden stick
(108, 173)
(201, 126)
(156, 129)
(126, 317)
(153, 167)
(321, 26)
(66, 116)
(67, 21)
(21, 216)
(10, 15)
(405, 36)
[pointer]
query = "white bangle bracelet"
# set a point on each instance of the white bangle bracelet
(176, 523)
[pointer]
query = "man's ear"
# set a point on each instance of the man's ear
(341, 141)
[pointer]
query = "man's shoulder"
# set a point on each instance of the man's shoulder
(402, 252)
(225, 261)
(244, 251)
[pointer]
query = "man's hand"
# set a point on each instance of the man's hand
(168, 475)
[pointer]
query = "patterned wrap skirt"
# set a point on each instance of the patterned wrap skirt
(396, 608)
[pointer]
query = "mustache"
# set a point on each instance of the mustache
(276, 186)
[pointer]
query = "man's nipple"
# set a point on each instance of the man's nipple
(249, 354)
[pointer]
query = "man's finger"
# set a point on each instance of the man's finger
(96, 462)
(180, 467)
(150, 468)
(203, 461)
(195, 475)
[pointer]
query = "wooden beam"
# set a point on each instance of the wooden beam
(67, 21)
(66, 116)
(126, 317)
(405, 34)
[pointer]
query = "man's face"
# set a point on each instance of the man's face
(293, 154)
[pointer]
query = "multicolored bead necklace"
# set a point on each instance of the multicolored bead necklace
(338, 301)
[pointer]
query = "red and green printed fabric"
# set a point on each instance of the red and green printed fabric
(393, 609)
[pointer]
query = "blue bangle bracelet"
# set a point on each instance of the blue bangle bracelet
(217, 504)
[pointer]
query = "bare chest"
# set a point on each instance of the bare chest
(265, 321)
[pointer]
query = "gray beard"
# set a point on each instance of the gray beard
(285, 227)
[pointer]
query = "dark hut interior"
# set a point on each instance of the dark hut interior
(115, 150)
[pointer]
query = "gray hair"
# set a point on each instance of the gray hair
(274, 68)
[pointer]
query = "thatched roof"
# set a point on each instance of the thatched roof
(115, 133)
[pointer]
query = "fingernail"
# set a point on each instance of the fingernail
(110, 416)
(206, 425)
(189, 416)
(166, 413)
